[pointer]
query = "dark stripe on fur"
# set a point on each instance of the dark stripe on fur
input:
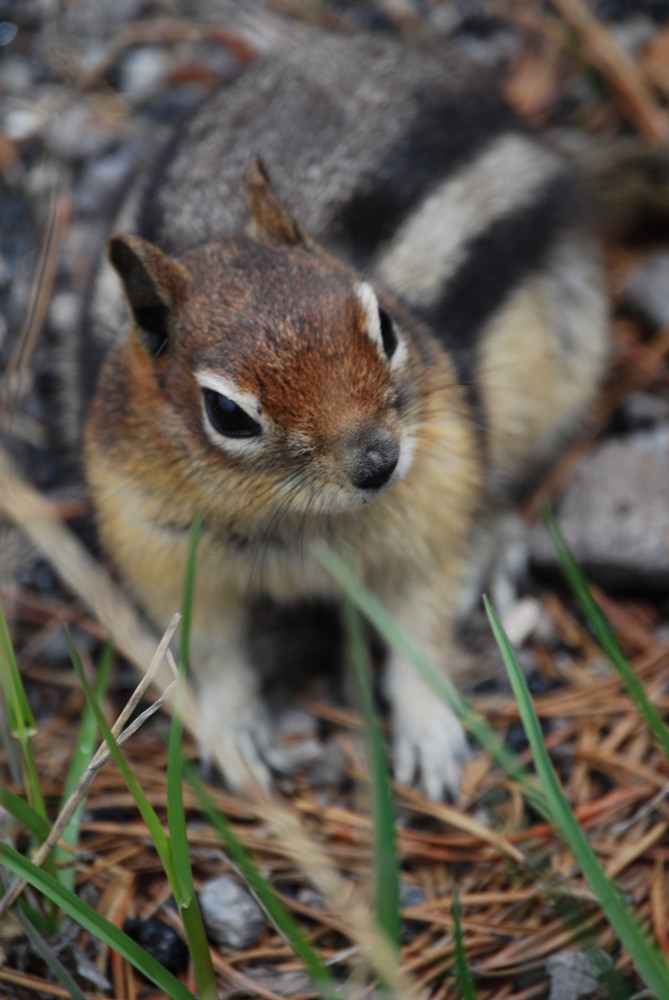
(495, 264)
(442, 138)
(150, 218)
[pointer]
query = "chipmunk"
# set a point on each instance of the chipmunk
(376, 350)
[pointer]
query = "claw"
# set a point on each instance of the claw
(240, 745)
(430, 745)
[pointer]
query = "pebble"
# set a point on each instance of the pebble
(574, 974)
(309, 896)
(21, 124)
(64, 310)
(231, 915)
(411, 894)
(285, 984)
(614, 514)
(144, 72)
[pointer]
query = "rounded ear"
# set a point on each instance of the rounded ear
(270, 222)
(154, 284)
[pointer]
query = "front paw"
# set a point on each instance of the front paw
(429, 743)
(239, 742)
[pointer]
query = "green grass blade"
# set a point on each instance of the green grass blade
(49, 957)
(368, 604)
(93, 922)
(23, 728)
(183, 890)
(269, 900)
(28, 817)
(20, 718)
(176, 818)
(606, 637)
(147, 812)
(198, 948)
(188, 591)
(461, 967)
(643, 952)
(81, 757)
(386, 881)
(42, 924)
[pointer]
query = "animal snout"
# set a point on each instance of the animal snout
(375, 460)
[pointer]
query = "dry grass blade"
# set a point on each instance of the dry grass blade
(99, 760)
(481, 832)
(35, 985)
(40, 294)
(608, 56)
(20, 503)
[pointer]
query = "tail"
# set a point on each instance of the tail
(628, 186)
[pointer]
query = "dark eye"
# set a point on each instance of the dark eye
(388, 334)
(226, 417)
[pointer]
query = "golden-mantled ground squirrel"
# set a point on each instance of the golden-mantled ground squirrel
(384, 379)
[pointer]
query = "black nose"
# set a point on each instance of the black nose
(375, 462)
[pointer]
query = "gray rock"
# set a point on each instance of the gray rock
(310, 897)
(64, 310)
(411, 894)
(21, 124)
(574, 974)
(296, 723)
(647, 291)
(615, 514)
(231, 915)
(144, 72)
(285, 984)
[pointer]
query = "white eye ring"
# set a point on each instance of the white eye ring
(380, 327)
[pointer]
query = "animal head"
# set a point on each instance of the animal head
(277, 371)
